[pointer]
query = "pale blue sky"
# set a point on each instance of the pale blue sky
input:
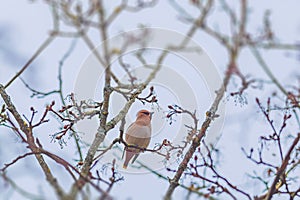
(23, 27)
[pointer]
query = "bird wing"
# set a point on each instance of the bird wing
(144, 144)
(136, 141)
(138, 131)
(137, 135)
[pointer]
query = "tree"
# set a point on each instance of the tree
(88, 164)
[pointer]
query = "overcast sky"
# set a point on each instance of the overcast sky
(23, 27)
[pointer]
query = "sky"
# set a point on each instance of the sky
(23, 27)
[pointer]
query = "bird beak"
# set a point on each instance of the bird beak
(151, 113)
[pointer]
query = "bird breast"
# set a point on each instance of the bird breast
(139, 131)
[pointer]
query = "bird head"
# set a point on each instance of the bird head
(144, 114)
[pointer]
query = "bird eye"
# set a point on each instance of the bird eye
(146, 113)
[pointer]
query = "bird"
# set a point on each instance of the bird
(137, 135)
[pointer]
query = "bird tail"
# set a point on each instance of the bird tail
(128, 155)
(135, 157)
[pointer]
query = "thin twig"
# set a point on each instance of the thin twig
(43, 46)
